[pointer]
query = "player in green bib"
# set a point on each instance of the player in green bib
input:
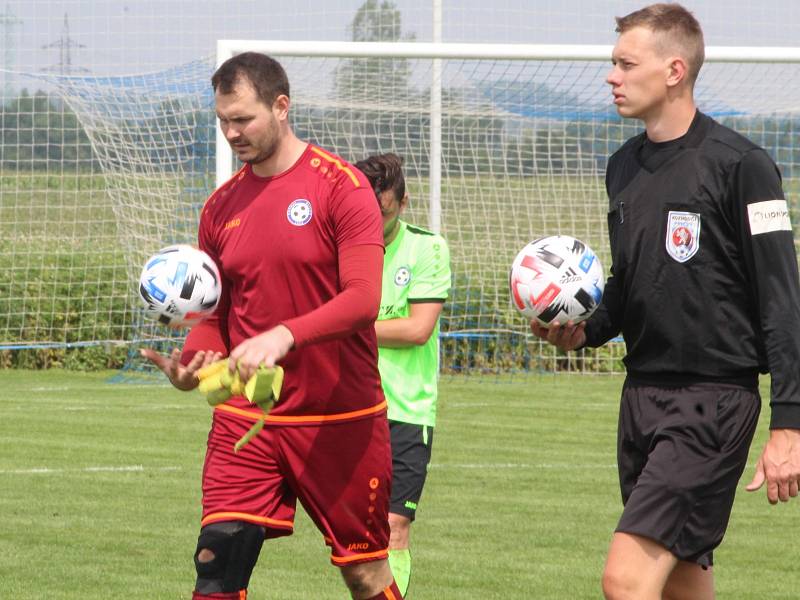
(416, 281)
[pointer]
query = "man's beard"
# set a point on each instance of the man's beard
(264, 154)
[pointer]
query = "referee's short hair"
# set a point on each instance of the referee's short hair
(679, 30)
(264, 73)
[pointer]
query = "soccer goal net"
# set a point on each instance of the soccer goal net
(502, 144)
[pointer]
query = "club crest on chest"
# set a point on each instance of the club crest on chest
(299, 212)
(402, 277)
(683, 235)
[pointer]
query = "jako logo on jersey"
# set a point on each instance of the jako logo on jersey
(299, 212)
(683, 235)
(767, 216)
(402, 276)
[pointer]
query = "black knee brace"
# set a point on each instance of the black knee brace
(235, 545)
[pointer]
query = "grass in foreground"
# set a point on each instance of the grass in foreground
(100, 497)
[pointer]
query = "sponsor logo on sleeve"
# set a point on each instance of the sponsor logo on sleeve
(683, 235)
(768, 216)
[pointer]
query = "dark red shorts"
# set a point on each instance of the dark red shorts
(341, 473)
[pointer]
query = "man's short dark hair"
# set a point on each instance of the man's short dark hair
(678, 26)
(265, 74)
(384, 172)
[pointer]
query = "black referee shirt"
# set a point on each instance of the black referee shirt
(704, 282)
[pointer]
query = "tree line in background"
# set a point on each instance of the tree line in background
(38, 130)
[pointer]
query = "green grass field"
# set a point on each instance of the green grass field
(100, 497)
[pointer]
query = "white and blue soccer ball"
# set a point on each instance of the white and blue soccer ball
(556, 278)
(180, 286)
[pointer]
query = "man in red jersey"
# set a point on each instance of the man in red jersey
(298, 238)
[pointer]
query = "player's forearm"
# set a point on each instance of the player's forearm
(604, 324)
(402, 333)
(211, 334)
(779, 307)
(352, 309)
(208, 335)
(769, 251)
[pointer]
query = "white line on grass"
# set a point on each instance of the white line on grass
(565, 466)
(167, 406)
(531, 404)
(119, 469)
(65, 388)
(517, 466)
(104, 406)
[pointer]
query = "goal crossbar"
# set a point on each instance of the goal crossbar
(593, 52)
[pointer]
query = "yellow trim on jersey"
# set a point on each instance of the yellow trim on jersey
(240, 516)
(259, 416)
(220, 188)
(343, 560)
(338, 163)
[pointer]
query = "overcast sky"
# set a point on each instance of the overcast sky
(122, 37)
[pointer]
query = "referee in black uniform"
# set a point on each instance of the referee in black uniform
(704, 288)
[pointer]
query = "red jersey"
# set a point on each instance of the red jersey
(276, 242)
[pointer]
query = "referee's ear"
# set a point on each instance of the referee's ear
(677, 71)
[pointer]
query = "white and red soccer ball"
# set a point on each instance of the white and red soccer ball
(556, 278)
(180, 286)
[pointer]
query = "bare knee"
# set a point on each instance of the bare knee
(357, 581)
(205, 555)
(689, 581)
(400, 528)
(616, 586)
(636, 568)
(621, 584)
(365, 580)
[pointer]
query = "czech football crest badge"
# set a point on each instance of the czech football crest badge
(683, 235)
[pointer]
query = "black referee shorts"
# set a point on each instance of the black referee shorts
(411, 453)
(681, 452)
